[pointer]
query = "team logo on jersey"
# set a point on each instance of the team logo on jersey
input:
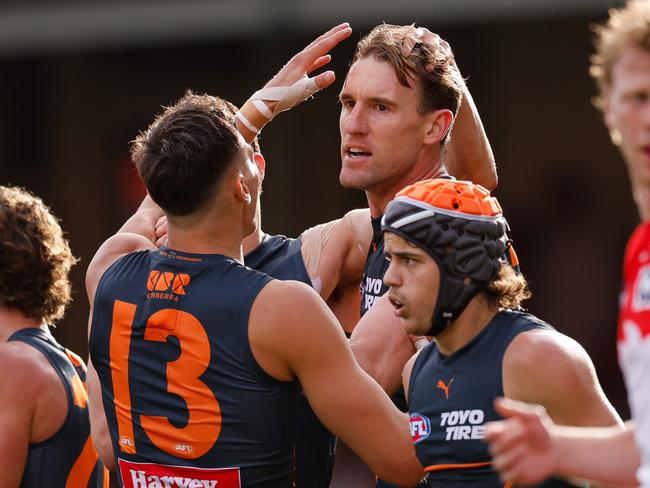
(420, 427)
(445, 387)
(147, 475)
(641, 292)
(463, 424)
(167, 285)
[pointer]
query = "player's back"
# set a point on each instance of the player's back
(68, 457)
(186, 402)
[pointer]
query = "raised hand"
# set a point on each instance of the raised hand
(292, 84)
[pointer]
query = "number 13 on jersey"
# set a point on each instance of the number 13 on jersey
(203, 426)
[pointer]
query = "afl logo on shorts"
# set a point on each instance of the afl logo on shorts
(420, 427)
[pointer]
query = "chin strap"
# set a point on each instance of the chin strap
(255, 114)
(453, 296)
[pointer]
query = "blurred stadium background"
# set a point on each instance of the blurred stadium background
(79, 79)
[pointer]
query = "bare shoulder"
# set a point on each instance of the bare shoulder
(544, 358)
(555, 351)
(287, 322)
(110, 251)
(535, 347)
(30, 371)
(285, 292)
(361, 226)
(286, 303)
(551, 369)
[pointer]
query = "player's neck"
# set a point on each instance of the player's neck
(379, 198)
(252, 241)
(212, 232)
(476, 316)
(12, 320)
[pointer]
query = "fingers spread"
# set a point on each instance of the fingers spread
(319, 63)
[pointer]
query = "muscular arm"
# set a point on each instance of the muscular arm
(98, 424)
(566, 386)
(331, 379)
(469, 154)
(17, 409)
(137, 233)
(381, 345)
(335, 253)
(528, 447)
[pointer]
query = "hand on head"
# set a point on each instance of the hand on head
(438, 47)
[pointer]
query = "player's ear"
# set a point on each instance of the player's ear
(242, 192)
(260, 162)
(438, 123)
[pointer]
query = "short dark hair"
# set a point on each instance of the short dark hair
(184, 153)
(435, 72)
(35, 257)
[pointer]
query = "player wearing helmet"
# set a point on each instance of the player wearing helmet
(444, 240)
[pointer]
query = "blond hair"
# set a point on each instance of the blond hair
(627, 26)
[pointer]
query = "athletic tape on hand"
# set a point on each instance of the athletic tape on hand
(286, 96)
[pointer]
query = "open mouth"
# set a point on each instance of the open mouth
(397, 305)
(357, 152)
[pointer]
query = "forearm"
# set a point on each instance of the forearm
(98, 424)
(605, 455)
(143, 221)
(469, 154)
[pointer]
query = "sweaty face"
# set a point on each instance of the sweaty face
(414, 278)
(381, 130)
(627, 111)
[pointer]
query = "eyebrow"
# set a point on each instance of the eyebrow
(403, 254)
(377, 100)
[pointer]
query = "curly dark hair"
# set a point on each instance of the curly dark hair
(434, 71)
(35, 257)
(184, 153)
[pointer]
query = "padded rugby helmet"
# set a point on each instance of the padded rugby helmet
(461, 226)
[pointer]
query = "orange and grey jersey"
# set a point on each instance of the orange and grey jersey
(68, 458)
(186, 402)
(450, 400)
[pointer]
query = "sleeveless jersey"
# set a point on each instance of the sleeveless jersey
(634, 340)
(186, 402)
(68, 458)
(372, 284)
(450, 400)
(281, 258)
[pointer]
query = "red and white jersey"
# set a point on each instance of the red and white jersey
(634, 340)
